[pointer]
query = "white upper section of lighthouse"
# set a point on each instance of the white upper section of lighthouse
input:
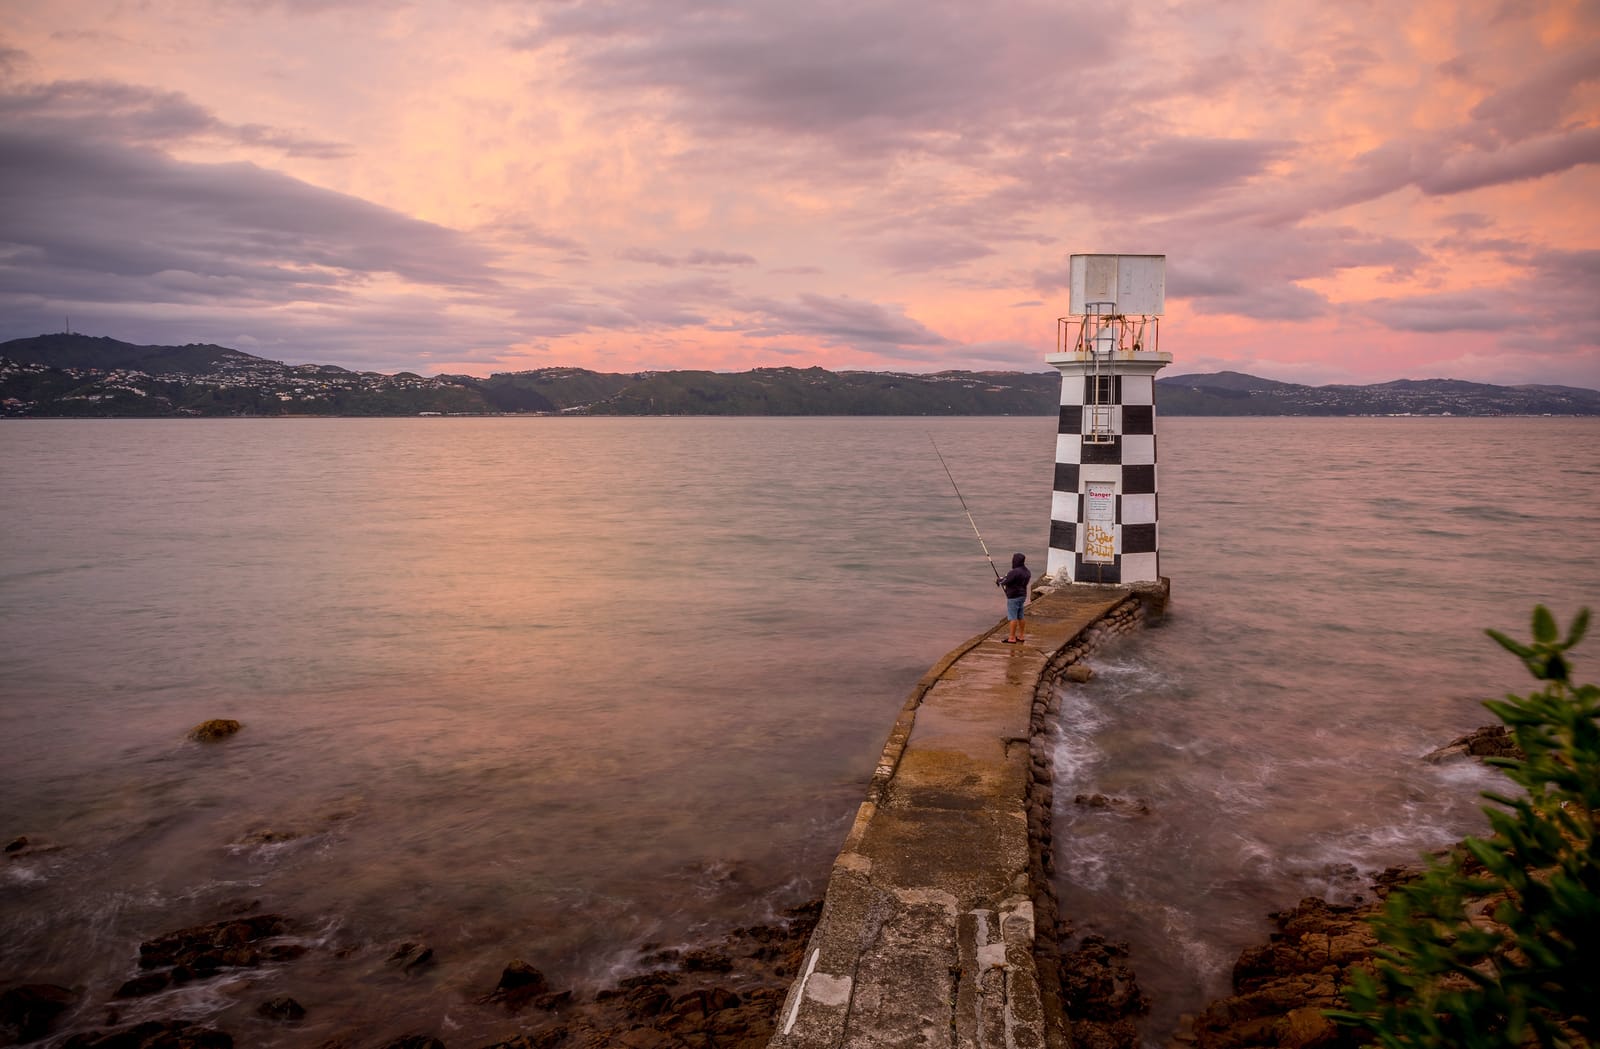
(1125, 284)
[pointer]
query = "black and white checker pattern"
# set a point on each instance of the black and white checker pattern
(1127, 461)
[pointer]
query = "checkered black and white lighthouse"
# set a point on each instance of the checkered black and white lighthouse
(1104, 525)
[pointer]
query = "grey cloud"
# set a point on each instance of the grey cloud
(1176, 173)
(672, 304)
(649, 256)
(1254, 272)
(703, 257)
(1548, 305)
(1529, 159)
(1536, 104)
(86, 226)
(1444, 312)
(129, 113)
(860, 71)
(921, 254)
(697, 257)
(866, 326)
(1010, 356)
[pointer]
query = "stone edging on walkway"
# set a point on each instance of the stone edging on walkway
(939, 923)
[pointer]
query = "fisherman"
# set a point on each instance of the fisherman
(1015, 585)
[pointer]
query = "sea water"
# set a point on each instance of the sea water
(554, 689)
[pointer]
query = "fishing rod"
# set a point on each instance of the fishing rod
(970, 521)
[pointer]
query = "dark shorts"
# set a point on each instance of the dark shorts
(1014, 607)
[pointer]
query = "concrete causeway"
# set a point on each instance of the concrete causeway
(938, 925)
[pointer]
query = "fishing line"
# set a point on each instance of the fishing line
(970, 521)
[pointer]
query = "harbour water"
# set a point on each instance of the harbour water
(558, 688)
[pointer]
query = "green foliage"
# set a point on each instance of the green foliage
(1446, 976)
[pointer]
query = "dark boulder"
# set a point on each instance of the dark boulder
(521, 984)
(415, 1041)
(213, 730)
(27, 1011)
(410, 957)
(203, 949)
(707, 960)
(1489, 741)
(140, 986)
(281, 1008)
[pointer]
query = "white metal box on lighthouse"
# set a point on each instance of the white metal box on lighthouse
(1104, 525)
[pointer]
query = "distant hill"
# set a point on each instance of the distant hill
(87, 351)
(1234, 393)
(67, 375)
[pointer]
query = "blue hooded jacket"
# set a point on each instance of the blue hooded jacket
(1015, 582)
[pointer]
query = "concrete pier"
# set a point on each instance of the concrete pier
(938, 924)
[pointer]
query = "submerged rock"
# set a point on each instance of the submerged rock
(153, 1034)
(23, 846)
(410, 957)
(547, 1039)
(213, 730)
(415, 1041)
(689, 1005)
(521, 984)
(28, 1011)
(203, 949)
(281, 1008)
(1121, 806)
(1489, 741)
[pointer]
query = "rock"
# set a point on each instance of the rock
(27, 1011)
(410, 957)
(539, 1040)
(153, 1034)
(203, 949)
(647, 1001)
(265, 836)
(140, 986)
(415, 1041)
(552, 1001)
(23, 846)
(282, 1008)
(1099, 985)
(1120, 806)
(708, 960)
(521, 977)
(1307, 1028)
(1488, 741)
(687, 1007)
(520, 983)
(213, 730)
(1079, 673)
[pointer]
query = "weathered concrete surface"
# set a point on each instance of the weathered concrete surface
(927, 930)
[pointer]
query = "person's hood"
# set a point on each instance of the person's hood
(1017, 560)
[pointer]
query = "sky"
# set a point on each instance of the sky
(1352, 191)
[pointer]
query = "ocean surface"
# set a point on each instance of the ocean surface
(555, 689)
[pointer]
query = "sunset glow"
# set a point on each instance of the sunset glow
(1344, 193)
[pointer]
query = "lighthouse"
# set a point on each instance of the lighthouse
(1104, 526)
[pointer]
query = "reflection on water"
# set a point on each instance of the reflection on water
(556, 688)
(546, 689)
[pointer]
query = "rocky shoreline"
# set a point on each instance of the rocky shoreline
(723, 995)
(727, 994)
